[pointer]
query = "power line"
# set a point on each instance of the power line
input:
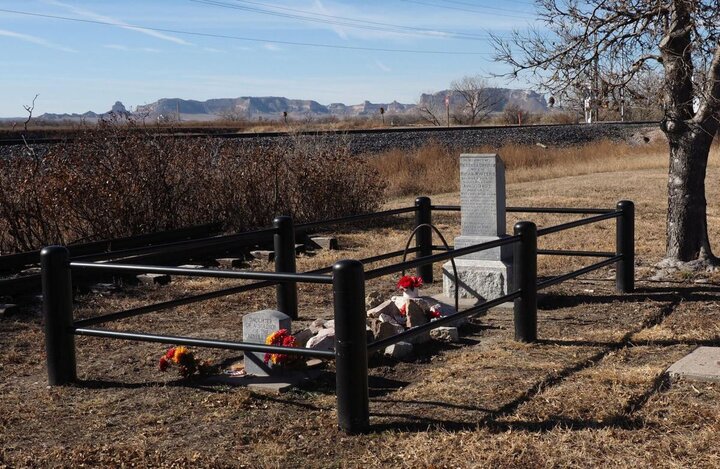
(243, 38)
(343, 20)
(448, 7)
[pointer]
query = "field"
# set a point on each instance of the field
(591, 392)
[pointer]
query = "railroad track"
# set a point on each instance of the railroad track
(225, 133)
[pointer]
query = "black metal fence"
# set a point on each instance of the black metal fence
(348, 278)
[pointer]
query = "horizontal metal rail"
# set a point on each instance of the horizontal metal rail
(556, 252)
(582, 211)
(181, 246)
(415, 331)
(577, 273)
(390, 269)
(576, 223)
(208, 343)
(356, 218)
(128, 313)
(214, 273)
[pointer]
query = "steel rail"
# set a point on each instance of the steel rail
(356, 218)
(577, 273)
(573, 224)
(390, 269)
(556, 252)
(241, 274)
(199, 342)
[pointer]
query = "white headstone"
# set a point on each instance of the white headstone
(256, 327)
(486, 274)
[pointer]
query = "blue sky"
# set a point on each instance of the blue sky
(76, 66)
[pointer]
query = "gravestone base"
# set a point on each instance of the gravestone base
(481, 280)
(504, 253)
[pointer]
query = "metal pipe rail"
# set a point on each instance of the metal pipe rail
(570, 210)
(240, 274)
(356, 218)
(391, 269)
(576, 223)
(348, 279)
(198, 342)
(577, 273)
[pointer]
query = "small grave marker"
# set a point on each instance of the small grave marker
(256, 327)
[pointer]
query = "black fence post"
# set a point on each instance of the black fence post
(284, 241)
(423, 238)
(351, 369)
(625, 246)
(57, 312)
(525, 279)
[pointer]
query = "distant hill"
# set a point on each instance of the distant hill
(272, 107)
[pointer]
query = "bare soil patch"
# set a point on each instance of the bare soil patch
(591, 392)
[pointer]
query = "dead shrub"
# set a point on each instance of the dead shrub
(119, 179)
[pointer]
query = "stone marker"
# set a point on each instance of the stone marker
(229, 262)
(154, 279)
(256, 327)
(267, 256)
(703, 364)
(446, 334)
(399, 350)
(325, 242)
(486, 274)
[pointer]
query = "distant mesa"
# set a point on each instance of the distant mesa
(272, 107)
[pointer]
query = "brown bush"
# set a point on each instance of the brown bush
(118, 180)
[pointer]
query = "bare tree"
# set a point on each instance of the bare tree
(477, 103)
(681, 37)
(431, 109)
(29, 109)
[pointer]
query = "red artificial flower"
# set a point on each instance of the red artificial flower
(434, 313)
(170, 353)
(403, 310)
(409, 282)
(164, 364)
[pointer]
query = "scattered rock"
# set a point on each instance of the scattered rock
(446, 334)
(324, 340)
(317, 325)
(382, 330)
(299, 248)
(329, 324)
(302, 337)
(373, 299)
(154, 279)
(388, 308)
(192, 266)
(414, 315)
(399, 350)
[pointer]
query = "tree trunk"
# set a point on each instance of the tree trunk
(687, 237)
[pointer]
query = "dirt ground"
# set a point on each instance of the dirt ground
(590, 392)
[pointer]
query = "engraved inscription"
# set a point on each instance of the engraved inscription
(483, 211)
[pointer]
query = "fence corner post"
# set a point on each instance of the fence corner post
(625, 247)
(58, 315)
(423, 239)
(525, 279)
(284, 244)
(351, 368)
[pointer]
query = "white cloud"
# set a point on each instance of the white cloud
(117, 47)
(106, 19)
(35, 40)
(271, 46)
(382, 66)
(123, 48)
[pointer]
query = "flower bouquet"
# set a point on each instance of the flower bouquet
(186, 362)
(410, 286)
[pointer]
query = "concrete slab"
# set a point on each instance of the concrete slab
(276, 384)
(703, 364)
(154, 279)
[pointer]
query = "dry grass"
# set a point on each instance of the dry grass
(591, 393)
(434, 169)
